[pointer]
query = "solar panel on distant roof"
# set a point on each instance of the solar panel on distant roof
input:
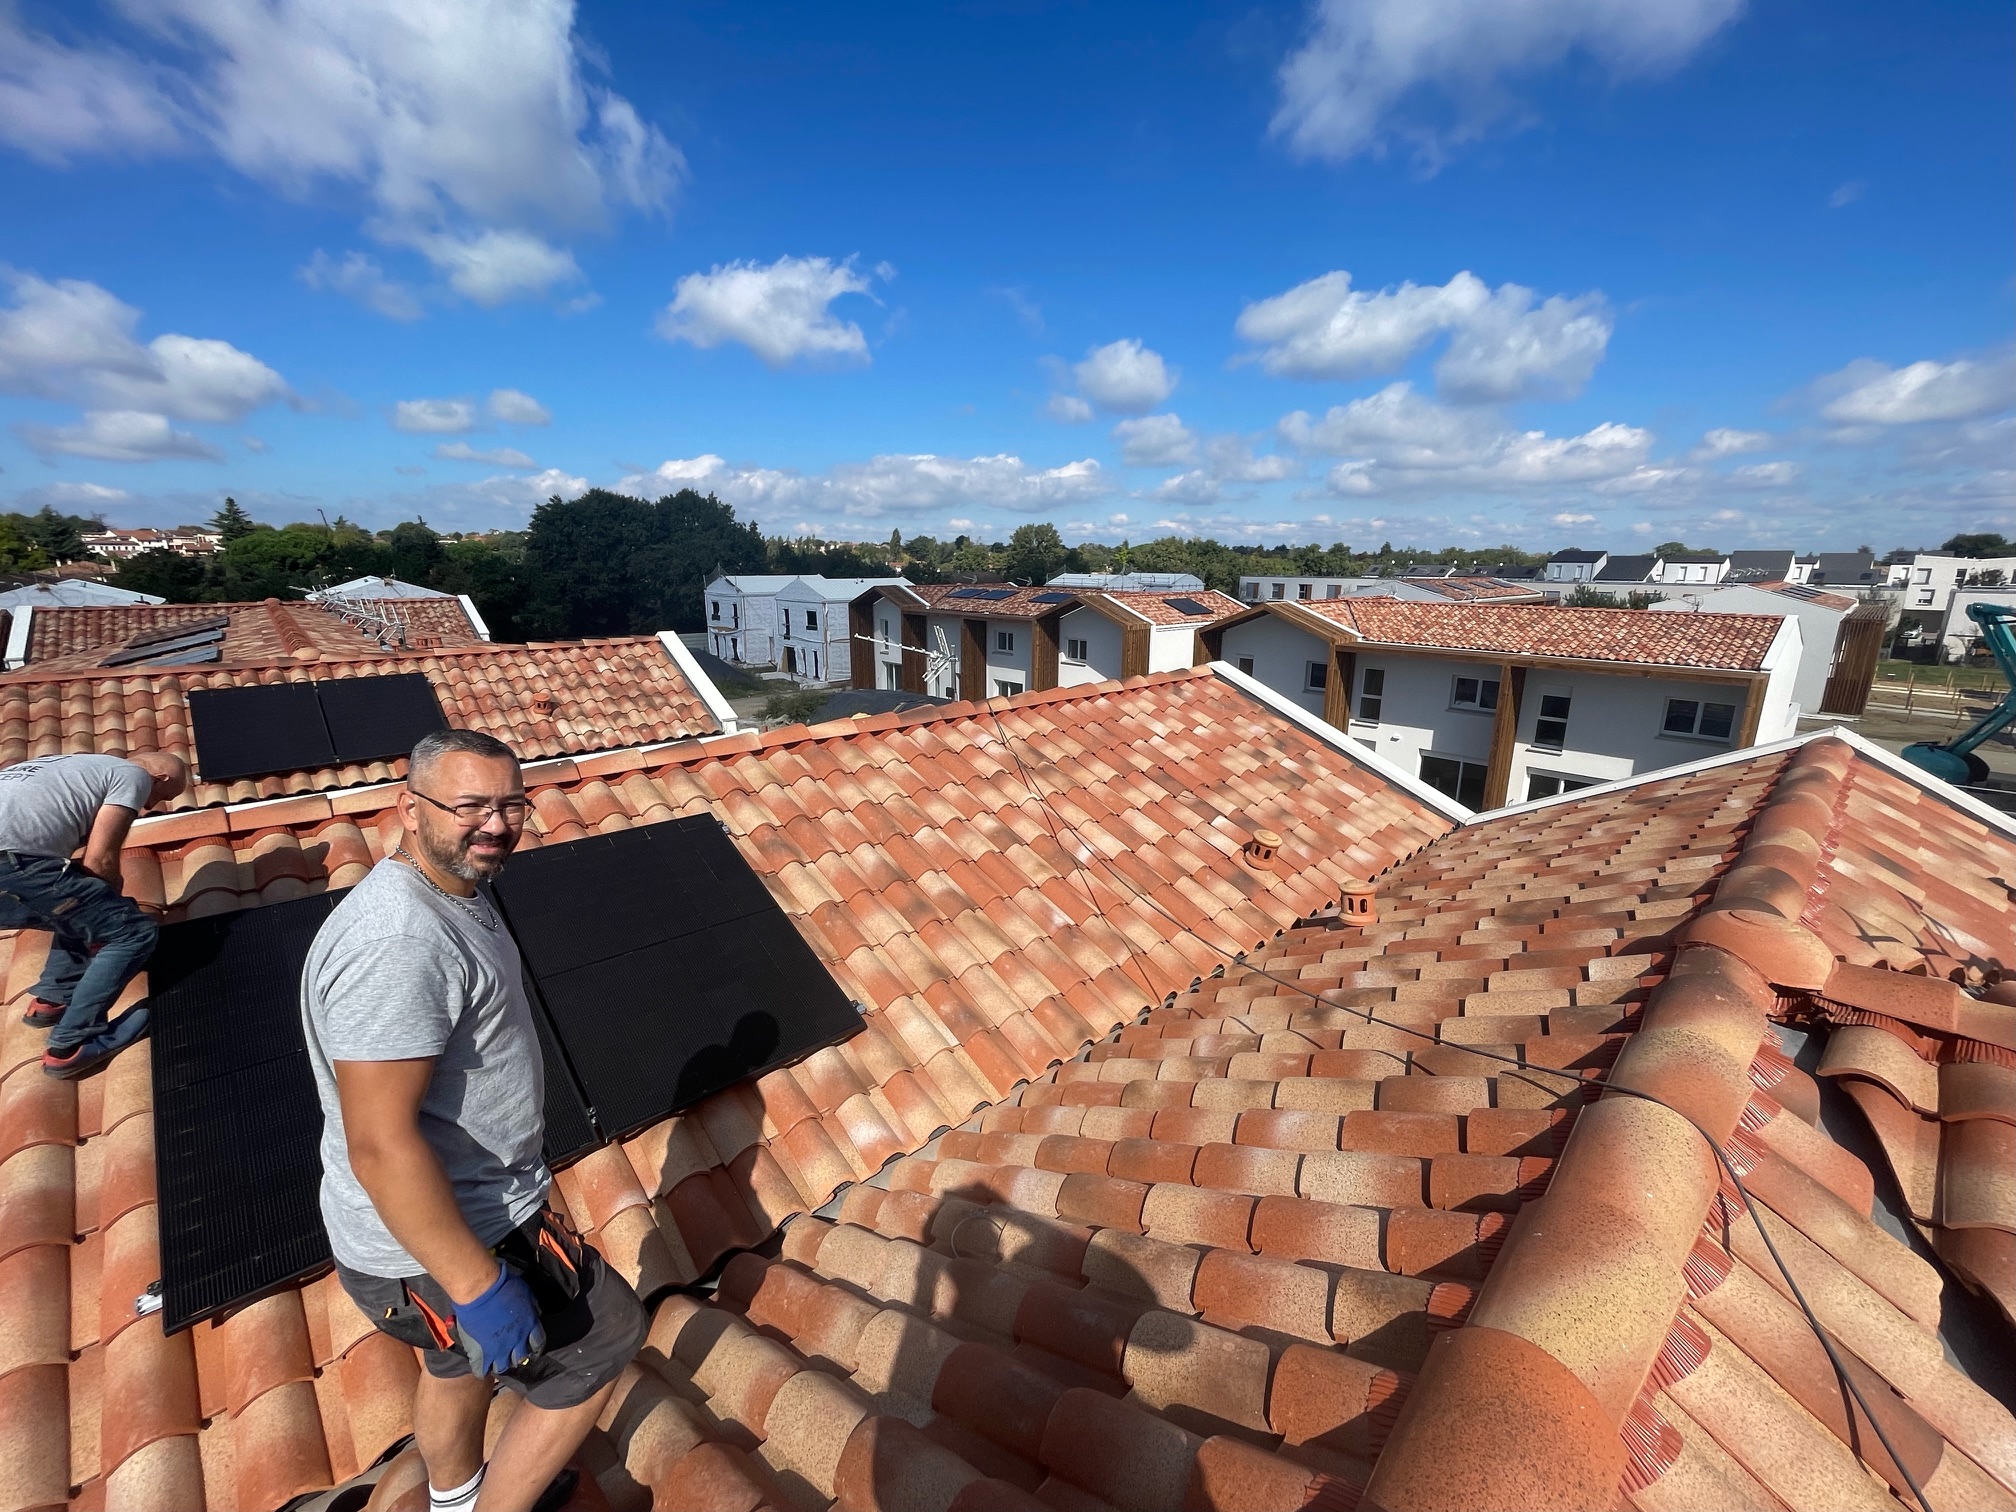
(1187, 606)
(175, 632)
(967, 593)
(159, 646)
(997, 593)
(1050, 598)
(668, 969)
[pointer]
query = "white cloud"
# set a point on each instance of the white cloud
(1155, 441)
(1437, 73)
(358, 276)
(502, 456)
(1870, 393)
(883, 486)
(1502, 344)
(118, 436)
(58, 102)
(1228, 460)
(1125, 377)
(460, 120)
(960, 523)
(1729, 443)
(1847, 194)
(434, 417)
(1765, 474)
(72, 340)
(254, 445)
(85, 495)
(1397, 439)
(1571, 519)
(778, 310)
(1069, 409)
(511, 407)
(494, 267)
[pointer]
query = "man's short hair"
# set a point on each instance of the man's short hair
(432, 748)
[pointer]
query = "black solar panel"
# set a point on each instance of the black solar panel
(378, 718)
(237, 1125)
(667, 968)
(258, 728)
(1050, 598)
(967, 593)
(1187, 606)
(159, 646)
(214, 622)
(236, 1121)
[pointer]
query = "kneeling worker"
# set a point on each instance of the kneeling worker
(433, 1182)
(50, 808)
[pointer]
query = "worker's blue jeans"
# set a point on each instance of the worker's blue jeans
(102, 939)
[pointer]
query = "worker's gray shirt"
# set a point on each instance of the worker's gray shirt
(400, 972)
(48, 804)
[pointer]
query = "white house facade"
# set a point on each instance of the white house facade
(1820, 615)
(809, 616)
(1500, 704)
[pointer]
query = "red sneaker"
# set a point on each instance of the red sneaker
(43, 1014)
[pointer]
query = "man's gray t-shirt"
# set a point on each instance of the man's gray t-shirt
(400, 972)
(48, 805)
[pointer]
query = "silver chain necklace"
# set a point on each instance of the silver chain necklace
(481, 915)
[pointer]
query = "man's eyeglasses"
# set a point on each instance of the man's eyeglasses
(470, 815)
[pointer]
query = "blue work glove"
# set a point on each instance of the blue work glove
(500, 1330)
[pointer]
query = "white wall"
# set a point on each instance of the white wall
(1690, 572)
(1962, 632)
(1819, 626)
(1171, 648)
(1614, 722)
(1102, 648)
(747, 630)
(1932, 579)
(1281, 654)
(1011, 666)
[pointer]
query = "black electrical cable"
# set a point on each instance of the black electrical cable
(1520, 1062)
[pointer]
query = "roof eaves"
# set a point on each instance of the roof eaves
(1338, 740)
(702, 684)
(1104, 604)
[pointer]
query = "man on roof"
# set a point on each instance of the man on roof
(434, 1186)
(51, 809)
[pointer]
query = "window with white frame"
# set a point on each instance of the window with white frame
(1004, 640)
(1280, 590)
(1005, 689)
(1372, 695)
(1333, 590)
(1699, 719)
(1479, 694)
(1077, 651)
(811, 619)
(1550, 730)
(1315, 676)
(1305, 590)
(1454, 777)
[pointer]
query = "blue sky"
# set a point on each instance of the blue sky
(1610, 271)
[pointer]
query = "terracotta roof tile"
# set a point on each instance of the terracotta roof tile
(604, 693)
(80, 638)
(1200, 1267)
(1734, 641)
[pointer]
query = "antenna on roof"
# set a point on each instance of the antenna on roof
(380, 619)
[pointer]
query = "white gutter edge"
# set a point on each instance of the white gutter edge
(1330, 735)
(702, 683)
(475, 619)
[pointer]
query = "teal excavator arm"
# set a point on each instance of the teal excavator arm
(1954, 760)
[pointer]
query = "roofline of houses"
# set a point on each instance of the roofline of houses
(703, 685)
(1305, 616)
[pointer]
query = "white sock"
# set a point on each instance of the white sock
(460, 1499)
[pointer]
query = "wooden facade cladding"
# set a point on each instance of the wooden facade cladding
(1504, 734)
(1043, 652)
(861, 643)
(973, 659)
(916, 653)
(1753, 711)
(1337, 687)
(1134, 649)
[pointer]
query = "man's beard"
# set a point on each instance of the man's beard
(469, 854)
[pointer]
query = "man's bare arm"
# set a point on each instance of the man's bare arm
(107, 839)
(402, 1176)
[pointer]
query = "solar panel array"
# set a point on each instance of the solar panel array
(659, 970)
(1050, 598)
(173, 645)
(260, 728)
(1187, 606)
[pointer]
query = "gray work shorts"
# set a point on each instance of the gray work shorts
(594, 1323)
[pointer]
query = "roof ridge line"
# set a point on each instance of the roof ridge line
(29, 673)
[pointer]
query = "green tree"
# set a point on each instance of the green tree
(1980, 545)
(414, 552)
(492, 573)
(166, 574)
(1035, 554)
(231, 522)
(17, 552)
(607, 564)
(60, 537)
